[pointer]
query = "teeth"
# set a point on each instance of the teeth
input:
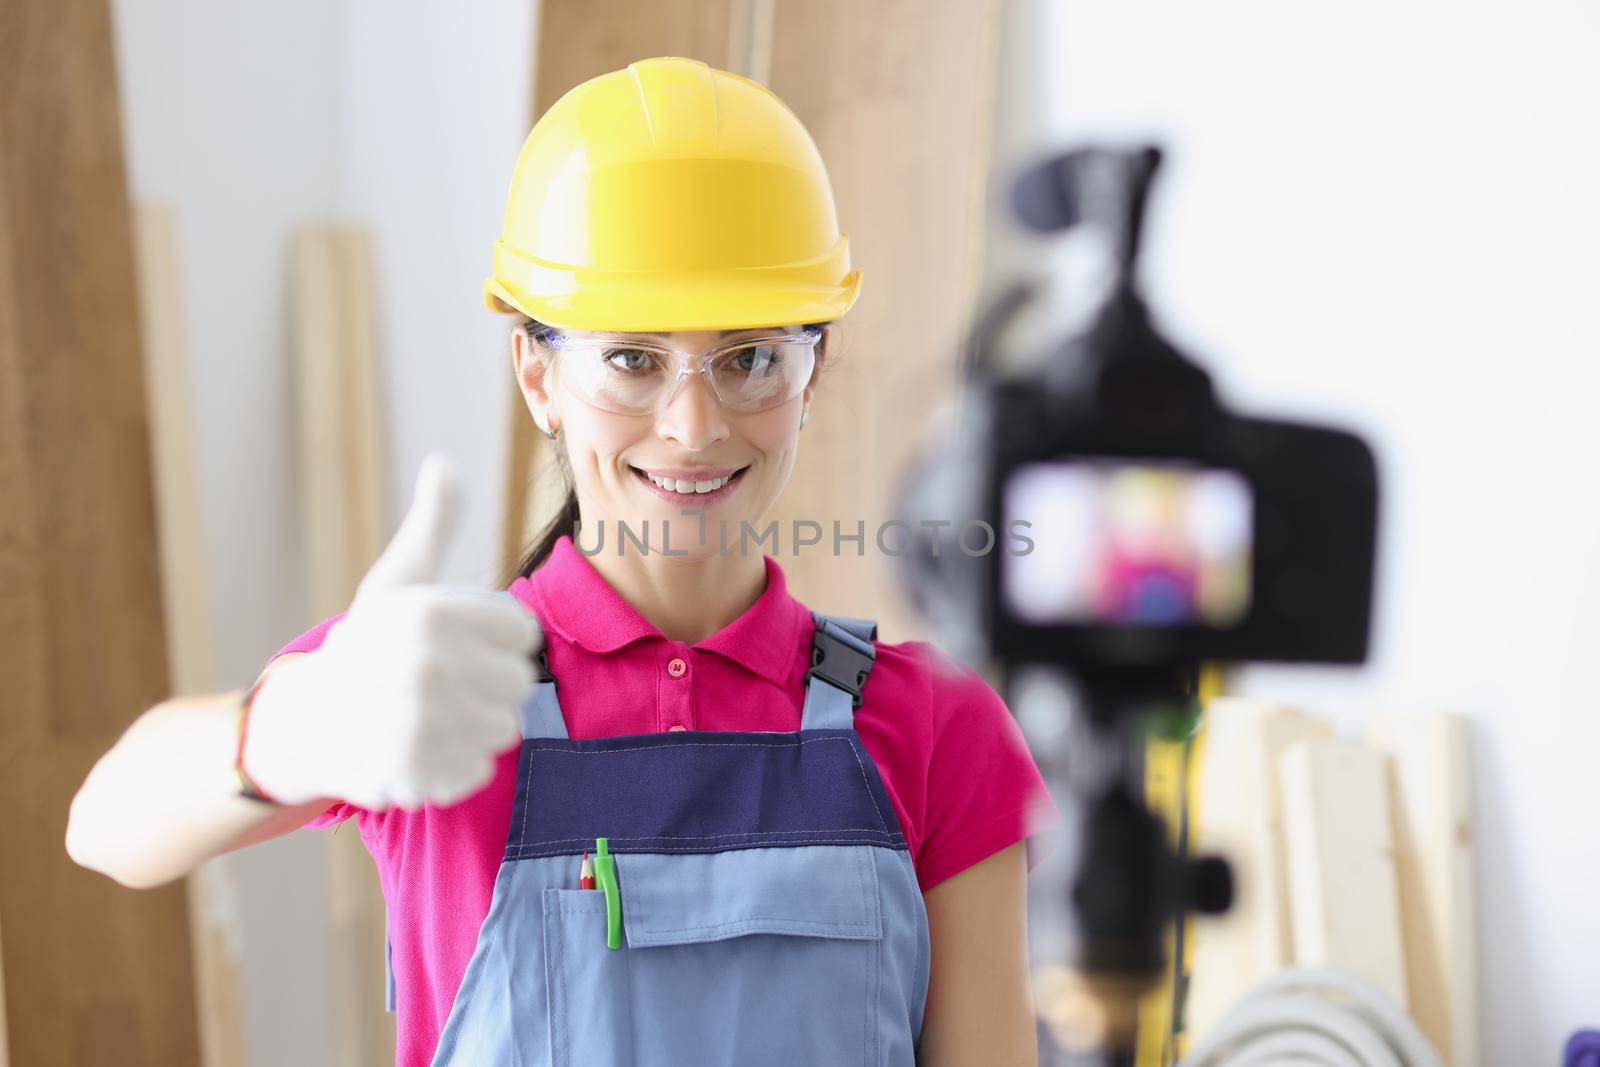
(678, 485)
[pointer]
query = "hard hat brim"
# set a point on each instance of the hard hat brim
(723, 300)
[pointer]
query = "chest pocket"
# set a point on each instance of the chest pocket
(741, 956)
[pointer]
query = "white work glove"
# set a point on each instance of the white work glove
(412, 694)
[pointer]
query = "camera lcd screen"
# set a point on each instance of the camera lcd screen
(1125, 542)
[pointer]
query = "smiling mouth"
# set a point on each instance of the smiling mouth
(690, 489)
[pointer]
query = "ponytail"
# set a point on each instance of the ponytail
(565, 522)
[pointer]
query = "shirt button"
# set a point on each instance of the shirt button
(676, 727)
(676, 667)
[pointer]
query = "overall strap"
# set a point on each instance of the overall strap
(842, 655)
(541, 712)
(388, 964)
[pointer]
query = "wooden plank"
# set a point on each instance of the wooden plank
(94, 973)
(1238, 814)
(898, 96)
(1340, 847)
(342, 478)
(5, 1054)
(173, 449)
(339, 414)
(1429, 777)
(213, 901)
(750, 24)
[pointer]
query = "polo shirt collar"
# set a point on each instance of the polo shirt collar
(574, 600)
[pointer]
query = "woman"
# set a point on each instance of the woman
(807, 845)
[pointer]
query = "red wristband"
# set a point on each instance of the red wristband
(246, 785)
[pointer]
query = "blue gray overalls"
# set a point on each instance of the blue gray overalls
(756, 903)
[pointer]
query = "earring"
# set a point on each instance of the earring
(803, 413)
(544, 427)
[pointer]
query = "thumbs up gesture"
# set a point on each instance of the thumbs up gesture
(413, 693)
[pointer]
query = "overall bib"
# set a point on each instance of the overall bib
(759, 907)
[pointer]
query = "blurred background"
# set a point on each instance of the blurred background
(241, 253)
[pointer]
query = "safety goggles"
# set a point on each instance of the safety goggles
(632, 377)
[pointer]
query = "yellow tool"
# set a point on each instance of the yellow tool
(1171, 777)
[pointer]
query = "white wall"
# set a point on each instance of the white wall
(435, 107)
(1385, 215)
(253, 120)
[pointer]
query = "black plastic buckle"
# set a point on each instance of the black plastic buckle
(541, 663)
(836, 659)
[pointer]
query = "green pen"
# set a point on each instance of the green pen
(605, 877)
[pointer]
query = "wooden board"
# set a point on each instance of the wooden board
(898, 96)
(1340, 845)
(94, 972)
(1429, 777)
(338, 410)
(213, 901)
(1238, 815)
(342, 474)
(5, 1054)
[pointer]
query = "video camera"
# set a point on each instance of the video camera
(1147, 525)
(1138, 530)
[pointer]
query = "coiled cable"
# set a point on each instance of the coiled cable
(1314, 1017)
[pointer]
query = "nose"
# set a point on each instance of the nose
(693, 419)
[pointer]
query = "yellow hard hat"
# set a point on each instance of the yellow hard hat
(671, 196)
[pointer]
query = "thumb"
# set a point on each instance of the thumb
(414, 555)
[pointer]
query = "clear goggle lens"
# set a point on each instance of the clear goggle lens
(637, 378)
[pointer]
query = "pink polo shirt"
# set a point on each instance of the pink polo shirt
(951, 757)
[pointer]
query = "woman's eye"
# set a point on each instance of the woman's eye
(756, 359)
(631, 360)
